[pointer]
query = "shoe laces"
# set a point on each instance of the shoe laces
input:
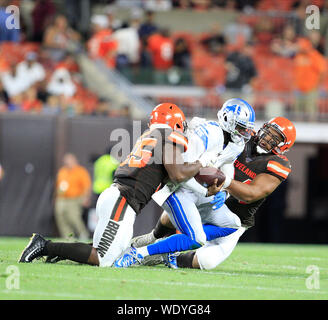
(172, 259)
(37, 251)
(42, 258)
(131, 258)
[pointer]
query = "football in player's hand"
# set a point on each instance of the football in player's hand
(207, 175)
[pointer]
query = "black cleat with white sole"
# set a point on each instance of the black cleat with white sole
(34, 249)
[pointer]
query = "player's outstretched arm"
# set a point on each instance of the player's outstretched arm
(262, 186)
(177, 169)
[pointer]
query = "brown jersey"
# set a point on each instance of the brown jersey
(143, 172)
(247, 166)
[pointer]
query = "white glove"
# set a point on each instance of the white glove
(208, 159)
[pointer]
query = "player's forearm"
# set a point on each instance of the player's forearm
(181, 172)
(261, 187)
(178, 170)
(244, 192)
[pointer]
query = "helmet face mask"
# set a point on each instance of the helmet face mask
(277, 135)
(182, 127)
(237, 117)
(243, 131)
(266, 137)
(185, 126)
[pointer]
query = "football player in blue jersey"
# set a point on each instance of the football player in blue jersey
(226, 138)
(259, 170)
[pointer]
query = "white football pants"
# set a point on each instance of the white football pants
(216, 251)
(114, 229)
(188, 212)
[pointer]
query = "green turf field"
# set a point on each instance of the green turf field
(253, 271)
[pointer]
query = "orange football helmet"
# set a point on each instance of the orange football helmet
(285, 128)
(170, 114)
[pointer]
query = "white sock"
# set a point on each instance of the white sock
(143, 251)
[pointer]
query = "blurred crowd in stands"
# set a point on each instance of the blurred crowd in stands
(256, 54)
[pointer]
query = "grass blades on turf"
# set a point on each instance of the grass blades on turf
(253, 271)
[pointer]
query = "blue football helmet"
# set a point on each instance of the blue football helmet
(237, 117)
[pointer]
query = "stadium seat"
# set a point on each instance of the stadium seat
(274, 5)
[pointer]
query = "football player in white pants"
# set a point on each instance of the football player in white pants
(214, 251)
(226, 138)
(155, 159)
(259, 170)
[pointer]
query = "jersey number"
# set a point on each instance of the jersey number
(139, 156)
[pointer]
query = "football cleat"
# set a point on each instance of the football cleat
(53, 259)
(170, 260)
(128, 259)
(153, 260)
(34, 249)
(144, 240)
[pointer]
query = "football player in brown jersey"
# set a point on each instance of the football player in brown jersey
(225, 137)
(259, 170)
(155, 159)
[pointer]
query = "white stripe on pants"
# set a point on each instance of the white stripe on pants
(184, 214)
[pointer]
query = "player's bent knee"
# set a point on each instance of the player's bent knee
(210, 257)
(207, 262)
(200, 238)
(165, 219)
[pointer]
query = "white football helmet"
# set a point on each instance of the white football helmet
(237, 117)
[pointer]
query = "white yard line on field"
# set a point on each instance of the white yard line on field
(195, 284)
(281, 266)
(311, 258)
(257, 275)
(244, 272)
(67, 295)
